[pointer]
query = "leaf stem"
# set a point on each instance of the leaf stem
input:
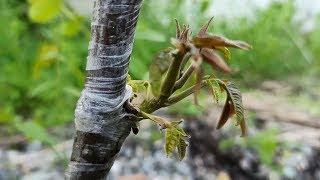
(184, 78)
(184, 94)
(205, 82)
(185, 60)
(161, 121)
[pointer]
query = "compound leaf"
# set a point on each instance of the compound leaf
(233, 106)
(236, 99)
(175, 138)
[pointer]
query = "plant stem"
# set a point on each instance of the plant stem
(184, 94)
(184, 78)
(171, 77)
(161, 121)
(185, 60)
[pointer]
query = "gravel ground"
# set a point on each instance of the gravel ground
(145, 158)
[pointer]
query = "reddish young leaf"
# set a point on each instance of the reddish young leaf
(178, 29)
(185, 34)
(226, 113)
(212, 41)
(204, 29)
(199, 76)
(215, 60)
(235, 100)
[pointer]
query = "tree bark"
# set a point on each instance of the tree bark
(102, 123)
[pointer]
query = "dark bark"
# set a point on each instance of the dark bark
(102, 122)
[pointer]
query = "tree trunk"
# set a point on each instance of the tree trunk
(102, 123)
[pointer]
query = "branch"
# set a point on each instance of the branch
(100, 121)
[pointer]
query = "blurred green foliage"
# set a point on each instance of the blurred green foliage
(279, 49)
(43, 47)
(44, 10)
(313, 42)
(265, 143)
(41, 65)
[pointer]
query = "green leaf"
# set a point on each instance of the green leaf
(138, 86)
(172, 140)
(158, 68)
(182, 133)
(42, 11)
(141, 91)
(226, 52)
(215, 90)
(182, 146)
(175, 138)
(176, 123)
